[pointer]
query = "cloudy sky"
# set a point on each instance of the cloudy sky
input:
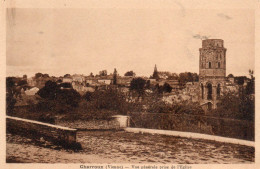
(60, 41)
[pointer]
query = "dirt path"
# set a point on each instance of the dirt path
(123, 147)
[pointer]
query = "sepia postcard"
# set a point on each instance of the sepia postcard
(129, 84)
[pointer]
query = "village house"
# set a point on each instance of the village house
(67, 80)
(81, 89)
(124, 81)
(32, 91)
(104, 81)
(174, 84)
(31, 81)
(78, 78)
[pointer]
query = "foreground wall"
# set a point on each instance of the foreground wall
(114, 123)
(240, 129)
(30, 128)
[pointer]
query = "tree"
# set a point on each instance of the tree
(173, 76)
(115, 77)
(45, 75)
(236, 105)
(129, 73)
(88, 96)
(49, 91)
(57, 99)
(38, 75)
(91, 74)
(167, 88)
(65, 85)
(148, 84)
(67, 75)
(10, 91)
(22, 83)
(69, 97)
(138, 84)
(240, 79)
(103, 73)
(24, 76)
(59, 81)
(250, 88)
(230, 76)
(188, 77)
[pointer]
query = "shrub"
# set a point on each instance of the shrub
(236, 105)
(56, 99)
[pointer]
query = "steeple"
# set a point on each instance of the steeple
(115, 77)
(155, 68)
(155, 73)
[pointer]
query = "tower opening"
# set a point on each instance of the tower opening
(209, 87)
(218, 91)
(209, 106)
(202, 91)
(212, 71)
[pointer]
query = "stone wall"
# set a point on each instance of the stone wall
(37, 130)
(116, 122)
(232, 128)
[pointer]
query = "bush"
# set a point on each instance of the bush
(187, 107)
(56, 99)
(102, 104)
(153, 103)
(236, 105)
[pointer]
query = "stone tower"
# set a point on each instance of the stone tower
(212, 71)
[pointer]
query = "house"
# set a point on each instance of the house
(31, 91)
(78, 78)
(174, 84)
(124, 81)
(40, 82)
(91, 81)
(153, 81)
(67, 80)
(31, 81)
(105, 81)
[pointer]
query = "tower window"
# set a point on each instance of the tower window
(209, 92)
(209, 64)
(218, 91)
(202, 91)
(218, 64)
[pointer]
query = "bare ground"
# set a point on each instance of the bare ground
(124, 147)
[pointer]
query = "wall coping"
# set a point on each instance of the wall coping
(120, 116)
(41, 123)
(192, 135)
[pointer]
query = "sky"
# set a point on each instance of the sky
(80, 41)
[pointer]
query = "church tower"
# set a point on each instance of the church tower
(212, 71)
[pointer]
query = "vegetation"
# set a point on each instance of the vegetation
(138, 85)
(103, 73)
(67, 75)
(115, 77)
(62, 100)
(188, 77)
(165, 88)
(239, 105)
(57, 99)
(129, 73)
(10, 92)
(38, 75)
